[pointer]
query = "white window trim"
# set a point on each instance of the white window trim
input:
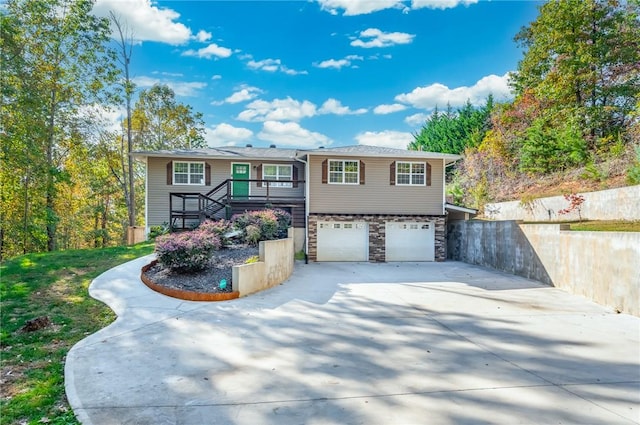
(278, 184)
(411, 173)
(357, 182)
(204, 173)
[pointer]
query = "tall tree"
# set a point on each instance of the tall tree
(125, 49)
(582, 56)
(453, 132)
(56, 63)
(159, 121)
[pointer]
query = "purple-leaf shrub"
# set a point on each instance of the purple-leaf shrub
(187, 251)
(218, 228)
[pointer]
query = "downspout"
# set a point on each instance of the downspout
(306, 208)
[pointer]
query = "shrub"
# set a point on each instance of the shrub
(187, 251)
(219, 228)
(284, 222)
(252, 234)
(265, 224)
(159, 230)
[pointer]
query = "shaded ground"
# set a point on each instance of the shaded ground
(359, 343)
(207, 280)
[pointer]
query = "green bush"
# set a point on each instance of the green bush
(633, 172)
(187, 251)
(158, 230)
(262, 225)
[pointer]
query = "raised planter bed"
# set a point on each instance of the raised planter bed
(185, 295)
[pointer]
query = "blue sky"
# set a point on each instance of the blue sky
(327, 72)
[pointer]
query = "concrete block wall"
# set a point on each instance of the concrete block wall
(612, 204)
(601, 266)
(377, 238)
(275, 266)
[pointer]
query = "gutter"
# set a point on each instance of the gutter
(306, 207)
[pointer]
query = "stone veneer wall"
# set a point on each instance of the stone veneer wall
(377, 232)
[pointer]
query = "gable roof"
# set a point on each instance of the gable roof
(378, 151)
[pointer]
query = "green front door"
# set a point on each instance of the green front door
(240, 189)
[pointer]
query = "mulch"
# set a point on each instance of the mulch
(207, 280)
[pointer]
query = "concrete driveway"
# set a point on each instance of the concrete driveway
(339, 343)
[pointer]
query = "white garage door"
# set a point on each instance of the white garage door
(410, 241)
(343, 241)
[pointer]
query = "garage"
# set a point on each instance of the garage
(343, 241)
(410, 241)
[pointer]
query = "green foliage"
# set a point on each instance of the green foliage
(252, 233)
(300, 255)
(262, 225)
(546, 148)
(633, 173)
(186, 252)
(53, 285)
(161, 122)
(453, 132)
(581, 56)
(155, 231)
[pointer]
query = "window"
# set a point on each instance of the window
(188, 172)
(410, 173)
(344, 172)
(277, 172)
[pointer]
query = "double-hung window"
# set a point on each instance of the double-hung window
(277, 172)
(410, 173)
(188, 173)
(344, 172)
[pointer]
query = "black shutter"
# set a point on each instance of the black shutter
(169, 173)
(392, 174)
(325, 172)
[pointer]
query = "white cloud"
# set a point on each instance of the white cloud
(271, 65)
(417, 119)
(226, 134)
(277, 110)
(428, 97)
(373, 37)
(389, 109)
(291, 134)
(387, 139)
(243, 93)
(180, 88)
(203, 36)
(440, 4)
(333, 106)
(147, 21)
(339, 63)
(363, 7)
(207, 52)
(216, 77)
(332, 63)
(358, 7)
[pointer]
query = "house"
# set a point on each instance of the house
(351, 203)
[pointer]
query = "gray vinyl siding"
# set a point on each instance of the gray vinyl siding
(158, 190)
(376, 196)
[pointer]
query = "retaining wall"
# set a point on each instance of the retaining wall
(275, 266)
(602, 266)
(612, 204)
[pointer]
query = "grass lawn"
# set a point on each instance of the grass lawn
(597, 225)
(607, 226)
(32, 364)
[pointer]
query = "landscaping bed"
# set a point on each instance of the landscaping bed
(206, 280)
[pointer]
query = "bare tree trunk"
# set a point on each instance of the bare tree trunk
(126, 47)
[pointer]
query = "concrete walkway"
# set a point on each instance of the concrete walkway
(339, 343)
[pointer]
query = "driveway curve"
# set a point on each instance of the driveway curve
(344, 343)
